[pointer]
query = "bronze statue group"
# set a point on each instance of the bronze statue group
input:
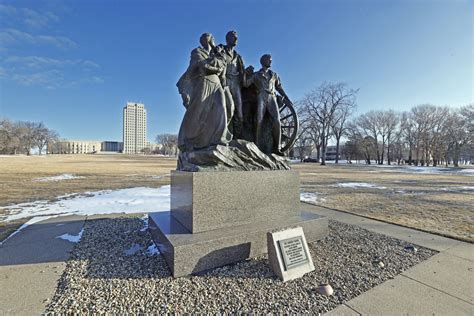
(214, 90)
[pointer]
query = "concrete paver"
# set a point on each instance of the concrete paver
(404, 296)
(463, 250)
(26, 289)
(446, 273)
(38, 243)
(31, 263)
(342, 310)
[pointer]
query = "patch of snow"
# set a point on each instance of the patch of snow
(356, 185)
(340, 162)
(72, 238)
(152, 250)
(132, 250)
(311, 197)
(425, 169)
(153, 176)
(457, 189)
(160, 177)
(61, 177)
(145, 223)
(411, 192)
(131, 200)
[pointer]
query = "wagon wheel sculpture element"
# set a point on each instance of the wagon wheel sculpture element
(289, 124)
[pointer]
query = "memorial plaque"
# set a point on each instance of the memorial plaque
(293, 252)
(288, 253)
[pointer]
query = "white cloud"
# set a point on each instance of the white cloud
(28, 17)
(36, 19)
(20, 30)
(51, 79)
(90, 64)
(96, 79)
(87, 80)
(11, 37)
(58, 41)
(7, 10)
(43, 62)
(48, 72)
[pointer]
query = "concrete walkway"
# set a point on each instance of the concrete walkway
(441, 285)
(31, 263)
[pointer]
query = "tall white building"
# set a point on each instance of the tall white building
(134, 128)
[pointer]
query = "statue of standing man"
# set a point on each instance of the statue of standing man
(267, 83)
(234, 80)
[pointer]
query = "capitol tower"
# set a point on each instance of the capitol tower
(134, 128)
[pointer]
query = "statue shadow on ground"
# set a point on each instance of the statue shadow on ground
(111, 248)
(253, 268)
(118, 249)
(41, 242)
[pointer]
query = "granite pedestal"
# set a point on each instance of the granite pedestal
(218, 218)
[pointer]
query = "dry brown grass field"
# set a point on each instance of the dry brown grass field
(439, 203)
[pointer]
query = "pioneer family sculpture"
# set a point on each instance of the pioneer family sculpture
(234, 119)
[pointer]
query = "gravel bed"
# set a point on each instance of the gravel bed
(111, 270)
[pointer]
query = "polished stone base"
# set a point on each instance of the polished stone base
(203, 201)
(188, 253)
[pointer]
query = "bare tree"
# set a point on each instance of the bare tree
(6, 132)
(361, 138)
(398, 145)
(408, 132)
(390, 126)
(23, 137)
(310, 129)
(303, 145)
(368, 130)
(320, 105)
(352, 148)
(379, 127)
(429, 123)
(44, 136)
(338, 125)
(169, 143)
(459, 129)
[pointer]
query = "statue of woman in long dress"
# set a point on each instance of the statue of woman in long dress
(205, 121)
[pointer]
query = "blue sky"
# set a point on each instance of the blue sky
(74, 64)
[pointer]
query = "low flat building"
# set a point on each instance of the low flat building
(75, 147)
(112, 146)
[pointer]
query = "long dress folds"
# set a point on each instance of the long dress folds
(205, 121)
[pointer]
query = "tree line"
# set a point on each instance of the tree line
(425, 135)
(22, 137)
